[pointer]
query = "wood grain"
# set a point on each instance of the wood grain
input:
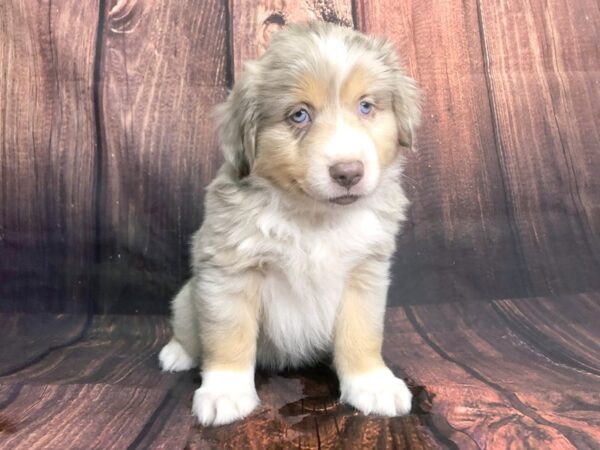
(458, 242)
(527, 374)
(163, 69)
(28, 338)
(81, 416)
(47, 154)
(116, 350)
(543, 65)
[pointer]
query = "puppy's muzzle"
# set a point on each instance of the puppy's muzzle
(347, 174)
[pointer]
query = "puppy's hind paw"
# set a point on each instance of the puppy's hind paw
(377, 392)
(174, 358)
(224, 397)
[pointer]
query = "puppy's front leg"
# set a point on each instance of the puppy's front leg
(228, 332)
(365, 381)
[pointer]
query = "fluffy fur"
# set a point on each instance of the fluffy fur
(291, 266)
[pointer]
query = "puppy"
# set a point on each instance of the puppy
(291, 263)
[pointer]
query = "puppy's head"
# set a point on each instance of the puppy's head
(321, 114)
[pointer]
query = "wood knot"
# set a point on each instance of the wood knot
(327, 12)
(271, 24)
(124, 16)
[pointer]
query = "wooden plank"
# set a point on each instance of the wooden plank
(468, 411)
(550, 392)
(252, 23)
(543, 66)
(457, 243)
(163, 69)
(567, 334)
(47, 154)
(28, 338)
(84, 416)
(116, 350)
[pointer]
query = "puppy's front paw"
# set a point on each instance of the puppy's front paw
(224, 397)
(174, 358)
(377, 392)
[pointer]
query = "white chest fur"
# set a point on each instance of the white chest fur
(306, 271)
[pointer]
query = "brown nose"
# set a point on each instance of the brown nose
(347, 174)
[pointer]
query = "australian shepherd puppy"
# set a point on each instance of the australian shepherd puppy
(291, 263)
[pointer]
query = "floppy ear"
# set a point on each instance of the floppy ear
(405, 95)
(406, 105)
(237, 123)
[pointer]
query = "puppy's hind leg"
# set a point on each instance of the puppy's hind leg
(183, 351)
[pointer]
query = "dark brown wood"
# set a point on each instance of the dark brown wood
(457, 243)
(535, 387)
(47, 154)
(520, 372)
(163, 69)
(83, 416)
(542, 67)
(27, 338)
(111, 349)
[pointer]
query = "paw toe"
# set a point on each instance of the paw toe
(226, 411)
(377, 392)
(385, 404)
(224, 398)
(402, 399)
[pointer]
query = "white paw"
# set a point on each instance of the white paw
(225, 397)
(174, 358)
(377, 392)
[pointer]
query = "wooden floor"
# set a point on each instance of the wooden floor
(505, 374)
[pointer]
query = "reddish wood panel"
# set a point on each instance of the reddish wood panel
(47, 154)
(117, 350)
(527, 372)
(81, 416)
(543, 65)
(253, 22)
(28, 338)
(458, 241)
(163, 69)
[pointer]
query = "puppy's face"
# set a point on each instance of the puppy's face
(321, 114)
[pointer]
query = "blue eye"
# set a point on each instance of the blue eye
(300, 117)
(365, 108)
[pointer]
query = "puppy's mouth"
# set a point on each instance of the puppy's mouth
(344, 199)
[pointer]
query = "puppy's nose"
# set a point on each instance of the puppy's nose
(347, 174)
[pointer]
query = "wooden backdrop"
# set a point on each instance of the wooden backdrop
(106, 143)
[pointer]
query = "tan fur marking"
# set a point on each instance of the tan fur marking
(355, 86)
(231, 344)
(384, 132)
(382, 125)
(359, 327)
(279, 160)
(311, 91)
